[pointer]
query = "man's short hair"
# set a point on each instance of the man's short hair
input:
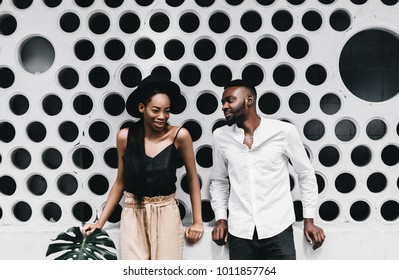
(241, 83)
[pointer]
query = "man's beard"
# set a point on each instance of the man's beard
(237, 116)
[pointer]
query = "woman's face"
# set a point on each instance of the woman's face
(157, 111)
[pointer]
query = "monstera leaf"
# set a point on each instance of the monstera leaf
(82, 247)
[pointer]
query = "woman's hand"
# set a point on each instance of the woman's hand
(89, 228)
(194, 233)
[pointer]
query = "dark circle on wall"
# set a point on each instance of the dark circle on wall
(297, 47)
(194, 128)
(99, 131)
(52, 105)
(218, 124)
(390, 155)
(83, 158)
(19, 104)
(253, 74)
(267, 48)
(321, 183)
(114, 49)
(189, 22)
(361, 155)
(162, 71)
(99, 77)
(144, 3)
(299, 103)
(312, 20)
(68, 131)
(22, 4)
(69, 22)
(113, 3)
(330, 104)
(234, 2)
(221, 75)
(84, 49)
(190, 75)
(52, 212)
(114, 104)
(204, 156)
(129, 23)
(236, 49)
(358, 2)
(251, 21)
(7, 132)
(282, 20)
(377, 182)
(99, 23)
(185, 184)
(389, 2)
(36, 131)
(204, 49)
(52, 158)
(390, 210)
(8, 186)
(83, 104)
(316, 74)
(8, 24)
(204, 3)
(345, 130)
(265, 2)
(174, 3)
(182, 209)
(22, 211)
(84, 3)
(283, 75)
(329, 211)
(67, 184)
(360, 211)
(174, 49)
(326, 1)
(329, 156)
(159, 22)
(130, 76)
(68, 78)
(115, 215)
(207, 212)
(111, 157)
(376, 129)
(298, 210)
(296, 2)
(7, 77)
(340, 20)
(82, 211)
(219, 22)
(345, 182)
(98, 184)
(269, 103)
(314, 130)
(144, 48)
(21, 158)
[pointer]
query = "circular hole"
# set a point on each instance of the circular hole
(292, 182)
(299, 103)
(265, 2)
(162, 72)
(267, 48)
(190, 75)
(204, 3)
(113, 3)
(189, 22)
(219, 22)
(321, 183)
(185, 184)
(326, 1)
(69, 22)
(83, 104)
(316, 74)
(67, 184)
(282, 20)
(83, 158)
(360, 211)
(68, 131)
(52, 212)
(8, 24)
(159, 22)
(19, 104)
(377, 182)
(115, 215)
(329, 156)
(358, 2)
(194, 128)
(22, 4)
(361, 156)
(390, 210)
(253, 74)
(251, 21)
(82, 211)
(345, 130)
(389, 2)
(174, 49)
(236, 49)
(111, 157)
(207, 103)
(129, 23)
(207, 212)
(7, 77)
(114, 104)
(221, 75)
(390, 155)
(36, 54)
(174, 3)
(345, 183)
(329, 211)
(144, 48)
(84, 49)
(204, 49)
(21, 158)
(99, 23)
(312, 20)
(204, 156)
(296, 2)
(22, 211)
(130, 76)
(52, 158)
(340, 20)
(297, 47)
(269, 103)
(298, 210)
(314, 130)
(68, 78)
(52, 105)
(218, 124)
(114, 49)
(8, 186)
(98, 184)
(99, 131)
(144, 3)
(182, 209)
(7, 132)
(234, 2)
(376, 129)
(36, 131)
(330, 104)
(284, 75)
(84, 3)
(99, 77)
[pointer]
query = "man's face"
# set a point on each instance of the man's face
(233, 104)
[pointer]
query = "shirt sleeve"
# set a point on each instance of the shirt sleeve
(303, 167)
(219, 187)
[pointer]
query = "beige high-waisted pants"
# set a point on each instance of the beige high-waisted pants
(151, 230)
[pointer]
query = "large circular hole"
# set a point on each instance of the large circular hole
(174, 49)
(84, 49)
(21, 158)
(162, 72)
(7, 77)
(269, 103)
(329, 156)
(340, 20)
(83, 158)
(111, 158)
(390, 210)
(68, 131)
(253, 74)
(314, 130)
(360, 211)
(114, 104)
(189, 22)
(36, 131)
(207, 103)
(52, 158)
(236, 49)
(297, 47)
(377, 182)
(345, 182)
(36, 54)
(52, 105)
(8, 186)
(69, 22)
(330, 104)
(99, 131)
(129, 23)
(67, 184)
(207, 213)
(204, 49)
(22, 211)
(8, 24)
(219, 22)
(52, 212)
(221, 75)
(194, 128)
(361, 155)
(329, 211)
(376, 129)
(190, 75)
(282, 20)
(99, 23)
(345, 130)
(144, 48)
(204, 156)
(184, 183)
(299, 103)
(114, 49)
(82, 211)
(251, 21)
(19, 104)
(218, 124)
(316, 74)
(312, 20)
(115, 215)
(7, 132)
(390, 155)
(284, 75)
(159, 22)
(68, 78)
(98, 184)
(83, 104)
(321, 183)
(99, 77)
(130, 76)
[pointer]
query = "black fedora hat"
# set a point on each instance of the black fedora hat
(146, 89)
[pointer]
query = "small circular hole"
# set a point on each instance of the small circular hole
(312, 20)
(190, 75)
(207, 211)
(69, 22)
(360, 211)
(345, 130)
(52, 212)
(36, 131)
(329, 156)
(390, 155)
(189, 22)
(83, 104)
(219, 22)
(144, 48)
(67, 184)
(330, 104)
(207, 103)
(174, 49)
(82, 211)
(19, 104)
(114, 104)
(204, 156)
(131, 76)
(129, 23)
(22, 211)
(21, 158)
(316, 74)
(390, 210)
(7, 132)
(52, 158)
(376, 129)
(299, 103)
(204, 49)
(68, 131)
(99, 23)
(8, 24)
(297, 47)
(99, 77)
(267, 48)
(253, 74)
(340, 20)
(221, 75)
(98, 184)
(159, 22)
(52, 105)
(282, 20)
(111, 158)
(36, 55)
(269, 103)
(236, 49)
(314, 130)
(377, 182)
(251, 21)
(8, 186)
(194, 128)
(7, 77)
(83, 158)
(114, 49)
(68, 78)
(99, 131)
(329, 211)
(361, 156)
(345, 183)
(284, 75)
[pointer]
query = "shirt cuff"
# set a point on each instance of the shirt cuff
(309, 213)
(221, 215)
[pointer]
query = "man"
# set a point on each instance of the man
(250, 188)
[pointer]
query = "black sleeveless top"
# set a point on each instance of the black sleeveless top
(160, 172)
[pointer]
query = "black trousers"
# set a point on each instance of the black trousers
(279, 247)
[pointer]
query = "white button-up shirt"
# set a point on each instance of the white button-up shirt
(253, 184)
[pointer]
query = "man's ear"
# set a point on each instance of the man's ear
(250, 99)
(141, 108)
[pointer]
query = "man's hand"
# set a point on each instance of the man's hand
(313, 233)
(219, 232)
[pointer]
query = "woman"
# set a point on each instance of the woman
(148, 153)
